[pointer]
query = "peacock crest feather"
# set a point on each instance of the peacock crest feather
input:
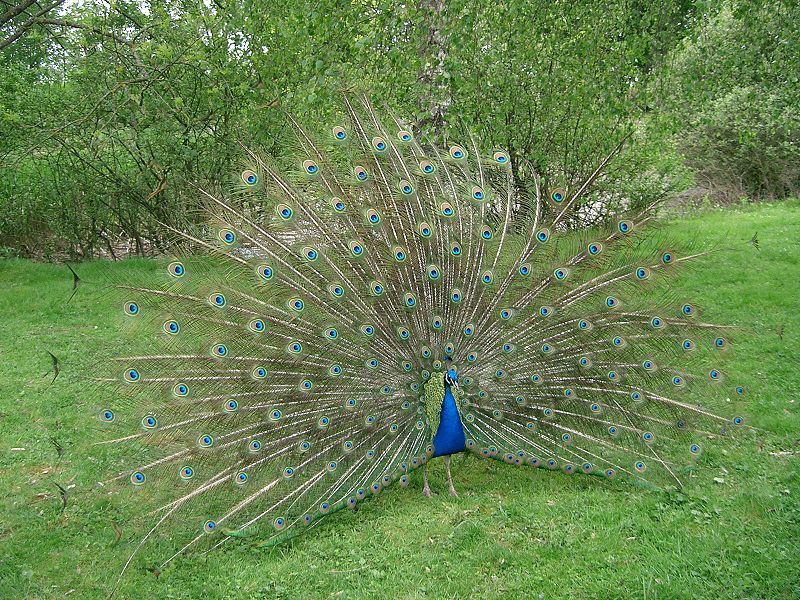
(298, 359)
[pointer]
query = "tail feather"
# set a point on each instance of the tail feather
(282, 374)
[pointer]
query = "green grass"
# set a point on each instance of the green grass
(513, 533)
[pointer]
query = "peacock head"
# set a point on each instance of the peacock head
(451, 377)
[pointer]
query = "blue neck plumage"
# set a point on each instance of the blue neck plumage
(449, 437)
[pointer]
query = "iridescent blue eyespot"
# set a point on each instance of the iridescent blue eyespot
(186, 473)
(131, 308)
(254, 446)
(617, 341)
(131, 375)
(648, 365)
(524, 269)
(584, 361)
(171, 327)
(137, 478)
(547, 348)
(279, 523)
(714, 374)
(296, 304)
(295, 347)
(339, 133)
(403, 333)
(642, 273)
(376, 288)
(332, 333)
(560, 274)
(372, 363)
(205, 441)
(506, 313)
(405, 187)
(426, 167)
(625, 226)
(149, 422)
(636, 396)
(666, 258)
(455, 249)
(457, 152)
(583, 324)
(368, 330)
(469, 329)
(379, 144)
(107, 416)
(687, 344)
(227, 236)
(740, 391)
(595, 248)
(455, 295)
(335, 370)
(612, 302)
(405, 136)
(217, 300)
(500, 157)
(486, 232)
(249, 177)
(612, 430)
(241, 477)
(648, 436)
(231, 406)
(176, 269)
(351, 403)
(477, 193)
(338, 205)
(640, 466)
(694, 449)
(719, 342)
(219, 350)
(265, 272)
(181, 390)
(738, 420)
(677, 381)
(543, 235)
(260, 372)
(323, 422)
(284, 211)
(558, 195)
(360, 173)
(310, 167)
(687, 310)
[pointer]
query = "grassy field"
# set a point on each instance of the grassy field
(513, 533)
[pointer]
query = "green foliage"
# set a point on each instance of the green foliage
(732, 533)
(733, 96)
(110, 111)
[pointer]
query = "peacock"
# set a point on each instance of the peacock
(369, 301)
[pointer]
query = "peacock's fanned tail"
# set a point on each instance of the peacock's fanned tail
(284, 365)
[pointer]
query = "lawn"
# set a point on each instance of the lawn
(734, 532)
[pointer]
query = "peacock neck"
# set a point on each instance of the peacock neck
(449, 438)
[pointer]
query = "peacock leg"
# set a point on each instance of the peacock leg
(426, 489)
(450, 488)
